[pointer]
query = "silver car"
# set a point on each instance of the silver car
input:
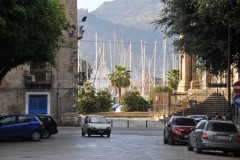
(96, 125)
(215, 135)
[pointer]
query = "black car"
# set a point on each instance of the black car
(50, 124)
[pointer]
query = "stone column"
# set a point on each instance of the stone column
(194, 81)
(184, 83)
(206, 79)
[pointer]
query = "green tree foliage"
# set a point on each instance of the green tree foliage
(203, 26)
(30, 32)
(133, 101)
(104, 101)
(158, 89)
(90, 102)
(173, 78)
(87, 102)
(120, 78)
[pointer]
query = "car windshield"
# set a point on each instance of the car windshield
(184, 122)
(97, 120)
(222, 127)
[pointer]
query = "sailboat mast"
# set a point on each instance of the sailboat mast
(164, 58)
(154, 64)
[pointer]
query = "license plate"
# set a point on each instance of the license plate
(186, 136)
(222, 137)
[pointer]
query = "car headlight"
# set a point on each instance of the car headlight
(176, 131)
(93, 128)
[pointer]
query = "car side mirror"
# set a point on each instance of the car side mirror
(109, 122)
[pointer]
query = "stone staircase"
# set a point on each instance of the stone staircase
(207, 102)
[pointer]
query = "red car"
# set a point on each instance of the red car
(177, 129)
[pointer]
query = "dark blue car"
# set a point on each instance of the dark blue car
(21, 126)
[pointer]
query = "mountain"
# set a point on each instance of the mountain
(119, 23)
(135, 13)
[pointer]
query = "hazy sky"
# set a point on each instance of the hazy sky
(90, 4)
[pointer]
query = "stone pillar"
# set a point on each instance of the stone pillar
(194, 81)
(206, 79)
(184, 83)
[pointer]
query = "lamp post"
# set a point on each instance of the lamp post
(229, 74)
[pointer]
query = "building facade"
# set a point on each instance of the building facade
(27, 89)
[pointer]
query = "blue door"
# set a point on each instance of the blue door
(37, 104)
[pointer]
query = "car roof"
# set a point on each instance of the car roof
(197, 115)
(220, 121)
(181, 117)
(96, 116)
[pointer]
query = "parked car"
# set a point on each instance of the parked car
(198, 118)
(215, 135)
(50, 124)
(96, 125)
(21, 126)
(177, 129)
(2, 114)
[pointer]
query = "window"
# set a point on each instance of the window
(201, 125)
(184, 122)
(222, 127)
(24, 119)
(8, 120)
(97, 120)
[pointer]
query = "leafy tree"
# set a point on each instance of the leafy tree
(30, 32)
(133, 101)
(158, 89)
(173, 78)
(104, 101)
(87, 100)
(120, 78)
(204, 27)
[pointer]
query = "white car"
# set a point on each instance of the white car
(96, 125)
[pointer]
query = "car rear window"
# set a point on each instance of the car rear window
(97, 120)
(222, 127)
(184, 122)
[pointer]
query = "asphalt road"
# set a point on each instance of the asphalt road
(135, 143)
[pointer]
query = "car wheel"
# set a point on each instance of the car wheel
(46, 135)
(108, 135)
(236, 154)
(165, 140)
(83, 134)
(190, 148)
(170, 141)
(198, 150)
(35, 136)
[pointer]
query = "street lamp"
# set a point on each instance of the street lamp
(229, 74)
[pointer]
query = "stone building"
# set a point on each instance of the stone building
(53, 91)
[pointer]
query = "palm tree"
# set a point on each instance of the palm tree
(120, 78)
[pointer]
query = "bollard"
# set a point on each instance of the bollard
(128, 123)
(146, 123)
(111, 123)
